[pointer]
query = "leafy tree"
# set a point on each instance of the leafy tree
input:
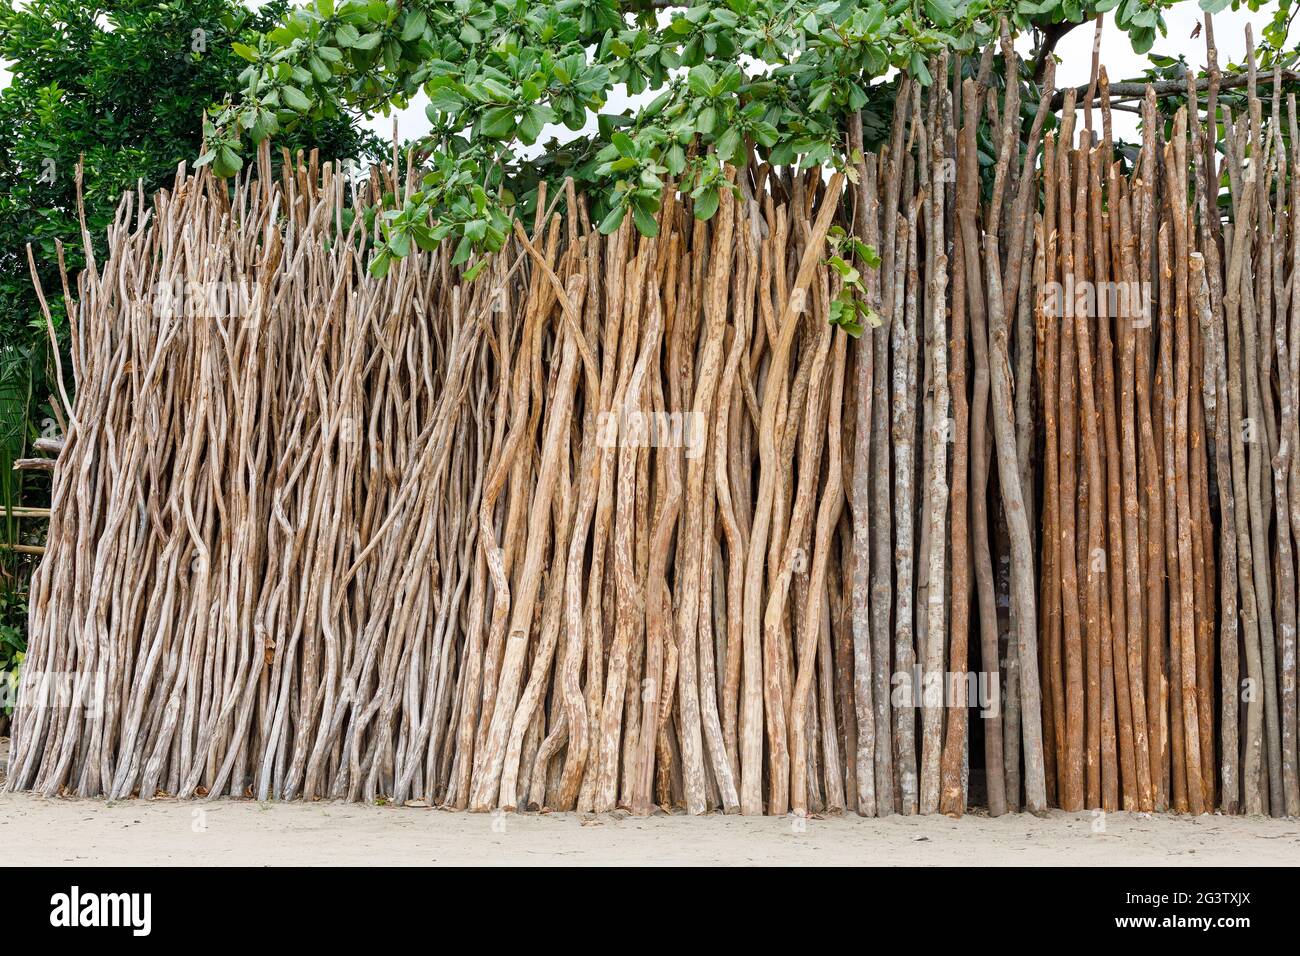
(1278, 29)
(777, 78)
(123, 85)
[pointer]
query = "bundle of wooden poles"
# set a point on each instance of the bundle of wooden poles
(627, 522)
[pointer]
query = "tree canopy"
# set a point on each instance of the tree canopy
(723, 78)
(121, 87)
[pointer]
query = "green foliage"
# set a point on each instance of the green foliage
(125, 85)
(772, 78)
(16, 427)
(13, 645)
(1279, 27)
(850, 309)
(1140, 19)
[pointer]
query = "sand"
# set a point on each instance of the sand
(60, 832)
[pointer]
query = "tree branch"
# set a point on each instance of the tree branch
(1052, 34)
(1136, 90)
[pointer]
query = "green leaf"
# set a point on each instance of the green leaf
(612, 220)
(919, 69)
(463, 250)
(706, 204)
(245, 51)
(645, 222)
(782, 154)
(707, 119)
(530, 126)
(424, 238)
(675, 159)
(497, 91)
(942, 12)
(319, 69)
(729, 144)
(227, 163)
(295, 99)
(445, 100)
(701, 80)
(623, 143)
(416, 22)
(765, 134)
(498, 123)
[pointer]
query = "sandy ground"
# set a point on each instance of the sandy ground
(34, 831)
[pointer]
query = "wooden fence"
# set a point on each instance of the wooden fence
(628, 522)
